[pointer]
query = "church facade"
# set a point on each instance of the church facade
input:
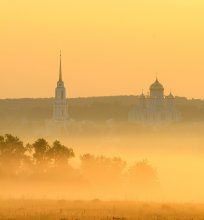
(155, 107)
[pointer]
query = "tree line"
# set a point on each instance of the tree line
(43, 161)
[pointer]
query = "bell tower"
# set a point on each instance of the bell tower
(60, 112)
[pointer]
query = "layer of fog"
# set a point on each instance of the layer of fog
(176, 154)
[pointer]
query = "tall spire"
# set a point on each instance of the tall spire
(60, 68)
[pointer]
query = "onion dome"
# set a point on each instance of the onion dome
(157, 86)
(170, 96)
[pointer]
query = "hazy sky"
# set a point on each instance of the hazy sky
(109, 47)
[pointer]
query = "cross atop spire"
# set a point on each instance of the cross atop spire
(60, 68)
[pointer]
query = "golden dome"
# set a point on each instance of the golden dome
(156, 86)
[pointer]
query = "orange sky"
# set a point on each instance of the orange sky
(109, 47)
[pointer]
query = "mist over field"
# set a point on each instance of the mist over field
(113, 159)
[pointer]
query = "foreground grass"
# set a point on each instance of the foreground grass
(93, 210)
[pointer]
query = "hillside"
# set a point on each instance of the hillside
(92, 108)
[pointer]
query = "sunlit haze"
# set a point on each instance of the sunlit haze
(102, 109)
(108, 47)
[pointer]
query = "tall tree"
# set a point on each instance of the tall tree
(60, 154)
(40, 150)
(12, 152)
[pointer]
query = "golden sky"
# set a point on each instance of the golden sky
(109, 47)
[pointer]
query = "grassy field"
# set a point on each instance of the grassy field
(93, 210)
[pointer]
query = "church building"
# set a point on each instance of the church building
(60, 112)
(60, 121)
(155, 107)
